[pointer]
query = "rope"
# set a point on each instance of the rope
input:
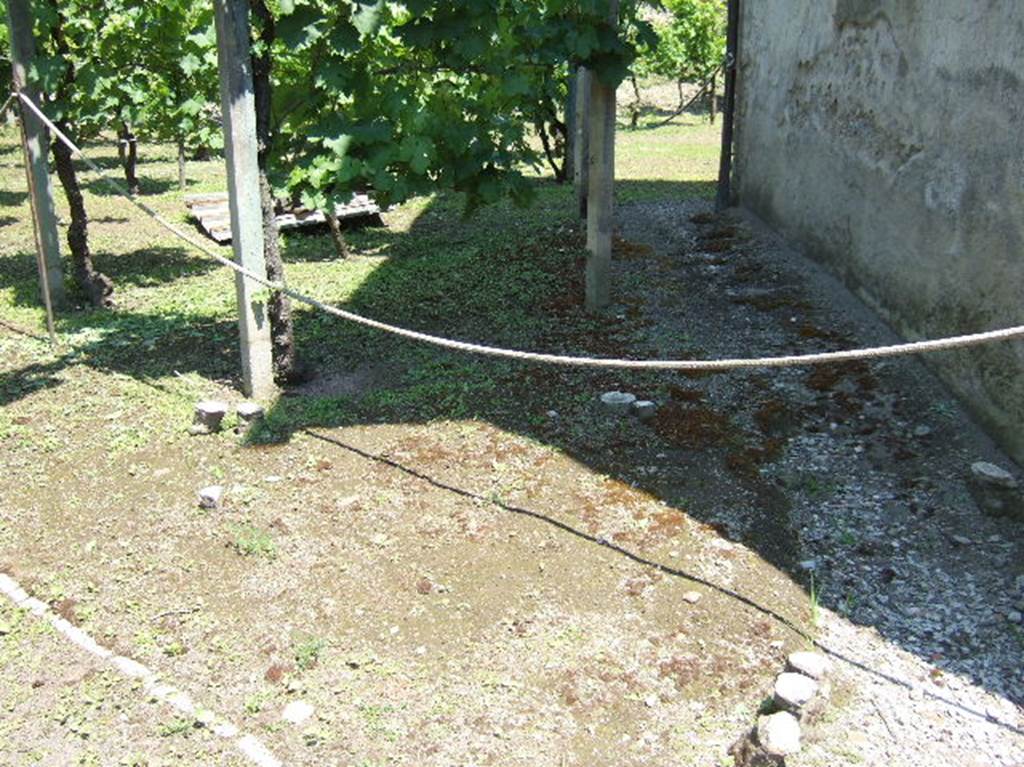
(719, 365)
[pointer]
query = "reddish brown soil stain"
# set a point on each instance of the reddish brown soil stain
(692, 427)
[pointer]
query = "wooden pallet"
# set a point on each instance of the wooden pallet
(211, 211)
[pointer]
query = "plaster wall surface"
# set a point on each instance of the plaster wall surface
(885, 138)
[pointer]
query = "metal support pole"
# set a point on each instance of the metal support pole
(241, 151)
(36, 147)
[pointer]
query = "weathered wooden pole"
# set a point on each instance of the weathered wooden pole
(36, 147)
(581, 140)
(724, 197)
(241, 151)
(601, 194)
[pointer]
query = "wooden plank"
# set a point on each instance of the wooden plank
(213, 212)
(36, 148)
(601, 189)
(239, 114)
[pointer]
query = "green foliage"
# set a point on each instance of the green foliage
(400, 99)
(406, 99)
(690, 46)
(152, 66)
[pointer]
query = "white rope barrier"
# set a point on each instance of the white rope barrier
(719, 365)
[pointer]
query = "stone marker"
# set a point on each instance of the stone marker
(645, 410)
(208, 417)
(995, 490)
(792, 691)
(249, 414)
(210, 497)
(779, 734)
(992, 475)
(811, 664)
(618, 402)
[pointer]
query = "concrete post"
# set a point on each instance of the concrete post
(601, 195)
(241, 150)
(36, 147)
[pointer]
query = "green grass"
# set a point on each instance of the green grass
(173, 334)
(251, 541)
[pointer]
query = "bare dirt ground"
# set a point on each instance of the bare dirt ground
(461, 562)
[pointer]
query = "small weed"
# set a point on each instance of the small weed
(307, 652)
(179, 726)
(815, 610)
(251, 541)
(254, 703)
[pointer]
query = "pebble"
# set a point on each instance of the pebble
(779, 734)
(1014, 616)
(210, 497)
(618, 402)
(810, 664)
(922, 431)
(794, 690)
(693, 597)
(645, 410)
(297, 712)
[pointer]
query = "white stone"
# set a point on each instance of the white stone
(693, 597)
(990, 474)
(249, 412)
(645, 410)
(210, 497)
(618, 402)
(297, 712)
(811, 664)
(794, 690)
(779, 734)
(208, 416)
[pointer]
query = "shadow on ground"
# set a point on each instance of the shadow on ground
(513, 279)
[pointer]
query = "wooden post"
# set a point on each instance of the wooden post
(581, 142)
(36, 147)
(724, 197)
(570, 127)
(601, 194)
(240, 149)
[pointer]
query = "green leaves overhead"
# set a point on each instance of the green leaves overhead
(398, 98)
(404, 99)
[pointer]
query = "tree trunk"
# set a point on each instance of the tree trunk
(128, 152)
(288, 368)
(337, 235)
(97, 286)
(182, 180)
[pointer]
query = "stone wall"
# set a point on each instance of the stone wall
(886, 139)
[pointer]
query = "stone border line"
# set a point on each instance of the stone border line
(249, 745)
